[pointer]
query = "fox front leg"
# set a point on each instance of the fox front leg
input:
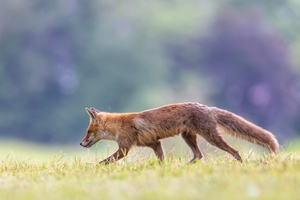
(158, 150)
(120, 153)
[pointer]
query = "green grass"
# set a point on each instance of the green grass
(140, 176)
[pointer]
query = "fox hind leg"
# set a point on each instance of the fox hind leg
(191, 141)
(217, 140)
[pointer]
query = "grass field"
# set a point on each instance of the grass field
(49, 174)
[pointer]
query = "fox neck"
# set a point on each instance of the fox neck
(107, 135)
(112, 127)
(113, 124)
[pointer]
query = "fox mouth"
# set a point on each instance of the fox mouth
(87, 144)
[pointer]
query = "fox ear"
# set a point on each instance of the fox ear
(95, 110)
(92, 114)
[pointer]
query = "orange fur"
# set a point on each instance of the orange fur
(148, 127)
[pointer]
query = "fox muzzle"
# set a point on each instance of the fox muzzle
(87, 143)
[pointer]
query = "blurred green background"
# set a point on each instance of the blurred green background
(58, 57)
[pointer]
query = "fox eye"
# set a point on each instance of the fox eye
(89, 131)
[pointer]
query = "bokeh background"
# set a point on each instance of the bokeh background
(58, 57)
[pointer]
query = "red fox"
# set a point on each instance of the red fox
(148, 127)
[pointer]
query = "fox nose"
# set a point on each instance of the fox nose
(80, 143)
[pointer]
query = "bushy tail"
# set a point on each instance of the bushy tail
(241, 128)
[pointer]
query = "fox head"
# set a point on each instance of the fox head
(95, 130)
